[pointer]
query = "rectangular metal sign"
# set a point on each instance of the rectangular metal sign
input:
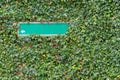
(45, 28)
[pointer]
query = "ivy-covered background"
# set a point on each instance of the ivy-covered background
(90, 50)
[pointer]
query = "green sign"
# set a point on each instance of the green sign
(42, 28)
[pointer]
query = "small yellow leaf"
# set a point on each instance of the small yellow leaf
(62, 8)
(50, 2)
(43, 55)
(83, 30)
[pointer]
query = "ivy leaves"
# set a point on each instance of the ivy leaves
(90, 49)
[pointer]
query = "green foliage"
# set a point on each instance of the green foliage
(89, 51)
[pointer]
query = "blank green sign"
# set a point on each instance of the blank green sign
(43, 28)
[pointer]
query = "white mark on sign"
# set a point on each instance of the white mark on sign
(22, 31)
